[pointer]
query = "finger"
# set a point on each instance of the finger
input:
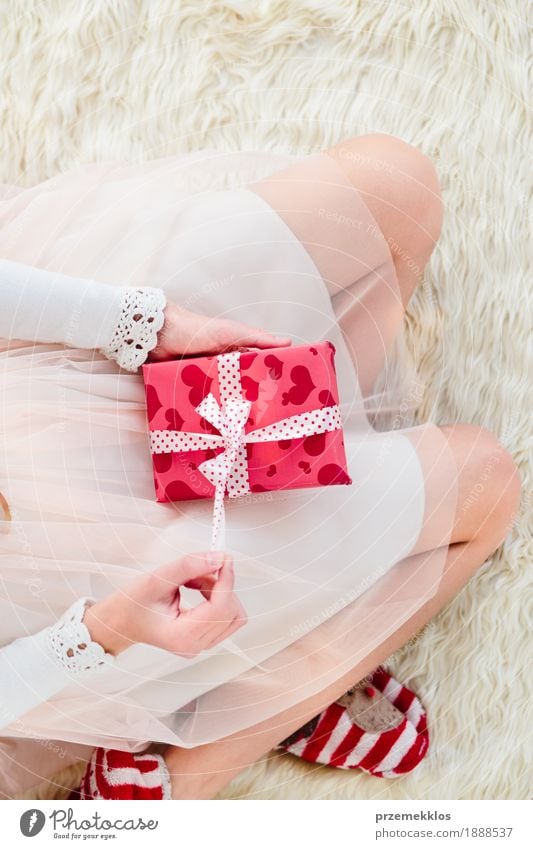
(236, 625)
(197, 627)
(226, 333)
(219, 632)
(224, 607)
(204, 584)
(208, 616)
(189, 568)
(201, 628)
(207, 622)
(238, 622)
(195, 631)
(242, 335)
(259, 339)
(222, 593)
(239, 619)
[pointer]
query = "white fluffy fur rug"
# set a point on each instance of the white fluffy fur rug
(101, 80)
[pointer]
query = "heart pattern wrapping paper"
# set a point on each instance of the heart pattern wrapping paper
(292, 383)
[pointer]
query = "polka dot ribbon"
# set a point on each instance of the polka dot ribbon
(228, 471)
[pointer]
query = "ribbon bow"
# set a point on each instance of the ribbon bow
(231, 464)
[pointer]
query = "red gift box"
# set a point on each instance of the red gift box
(245, 422)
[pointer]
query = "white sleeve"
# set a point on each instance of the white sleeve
(44, 306)
(35, 668)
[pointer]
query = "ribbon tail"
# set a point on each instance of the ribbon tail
(218, 530)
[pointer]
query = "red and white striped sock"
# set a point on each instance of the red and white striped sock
(333, 738)
(111, 774)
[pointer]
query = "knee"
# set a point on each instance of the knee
(414, 189)
(503, 472)
(401, 186)
(489, 478)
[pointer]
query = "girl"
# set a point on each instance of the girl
(333, 580)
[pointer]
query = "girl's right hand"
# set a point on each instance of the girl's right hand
(150, 609)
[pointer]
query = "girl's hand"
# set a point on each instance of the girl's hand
(150, 610)
(188, 333)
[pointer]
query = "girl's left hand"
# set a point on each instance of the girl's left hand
(187, 333)
(150, 610)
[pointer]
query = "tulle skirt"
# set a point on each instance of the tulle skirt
(326, 574)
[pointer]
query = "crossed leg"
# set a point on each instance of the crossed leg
(400, 187)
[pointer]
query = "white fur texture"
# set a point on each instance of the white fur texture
(96, 80)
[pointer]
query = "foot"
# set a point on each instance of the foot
(380, 728)
(111, 774)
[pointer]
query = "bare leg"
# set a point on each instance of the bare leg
(400, 186)
(321, 201)
(481, 525)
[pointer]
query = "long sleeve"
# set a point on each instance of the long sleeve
(44, 306)
(37, 667)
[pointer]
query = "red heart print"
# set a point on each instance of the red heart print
(274, 366)
(315, 444)
(301, 388)
(326, 398)
(332, 474)
(153, 404)
(175, 421)
(250, 388)
(162, 462)
(179, 491)
(199, 382)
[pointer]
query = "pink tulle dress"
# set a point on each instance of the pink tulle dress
(325, 574)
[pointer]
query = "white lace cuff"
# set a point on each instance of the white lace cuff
(71, 644)
(141, 318)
